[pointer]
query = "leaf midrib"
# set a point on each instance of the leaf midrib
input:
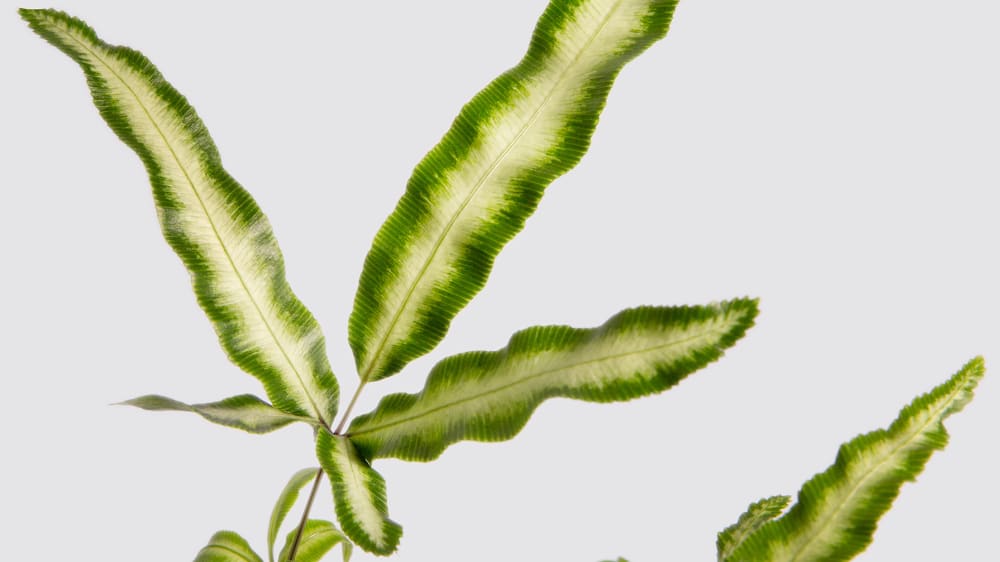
(499, 389)
(208, 217)
(475, 190)
(936, 418)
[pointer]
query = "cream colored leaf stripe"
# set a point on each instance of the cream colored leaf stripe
(358, 495)
(489, 396)
(213, 224)
(474, 191)
(838, 510)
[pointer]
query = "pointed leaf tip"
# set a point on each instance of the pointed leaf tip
(211, 221)
(246, 411)
(489, 396)
(474, 191)
(838, 510)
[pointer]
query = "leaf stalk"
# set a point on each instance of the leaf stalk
(305, 517)
(347, 411)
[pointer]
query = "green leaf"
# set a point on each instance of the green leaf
(246, 411)
(756, 515)
(317, 539)
(489, 396)
(227, 546)
(358, 495)
(837, 510)
(212, 223)
(474, 191)
(285, 502)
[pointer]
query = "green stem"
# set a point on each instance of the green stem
(347, 412)
(305, 517)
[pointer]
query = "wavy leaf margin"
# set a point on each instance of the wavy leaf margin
(838, 510)
(245, 411)
(211, 222)
(359, 495)
(474, 191)
(489, 396)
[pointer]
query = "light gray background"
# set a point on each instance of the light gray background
(838, 160)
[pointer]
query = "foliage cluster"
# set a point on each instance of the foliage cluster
(465, 201)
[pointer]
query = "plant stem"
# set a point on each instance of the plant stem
(347, 412)
(319, 476)
(305, 517)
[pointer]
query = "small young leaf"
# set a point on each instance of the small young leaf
(756, 515)
(212, 223)
(227, 546)
(474, 191)
(246, 411)
(285, 502)
(358, 495)
(489, 396)
(837, 510)
(317, 539)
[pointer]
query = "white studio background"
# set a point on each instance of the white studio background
(837, 160)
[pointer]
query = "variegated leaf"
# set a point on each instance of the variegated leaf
(317, 539)
(474, 191)
(837, 510)
(358, 495)
(489, 396)
(246, 411)
(227, 546)
(757, 514)
(212, 223)
(285, 502)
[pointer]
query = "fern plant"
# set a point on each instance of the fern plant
(468, 197)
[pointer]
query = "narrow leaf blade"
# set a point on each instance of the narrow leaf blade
(285, 502)
(757, 514)
(213, 224)
(227, 546)
(474, 191)
(358, 495)
(246, 411)
(489, 396)
(838, 510)
(318, 538)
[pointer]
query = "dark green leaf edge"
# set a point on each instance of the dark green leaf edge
(758, 513)
(452, 294)
(480, 364)
(326, 448)
(249, 213)
(865, 521)
(317, 539)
